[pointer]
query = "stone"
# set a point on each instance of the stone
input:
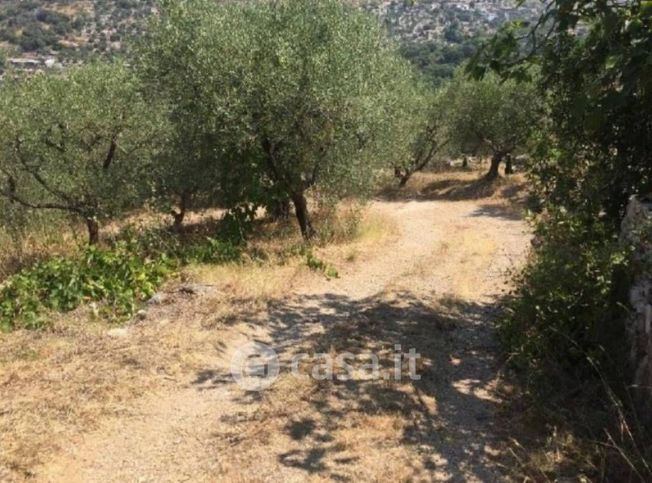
(637, 231)
(195, 288)
(158, 299)
(118, 332)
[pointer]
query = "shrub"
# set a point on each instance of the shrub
(118, 278)
(566, 316)
(318, 265)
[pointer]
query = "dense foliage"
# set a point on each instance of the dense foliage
(562, 319)
(81, 142)
(567, 322)
(596, 73)
(492, 117)
(439, 60)
(431, 132)
(271, 101)
(593, 61)
(117, 278)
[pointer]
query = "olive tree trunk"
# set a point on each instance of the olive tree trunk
(280, 209)
(509, 166)
(496, 159)
(93, 228)
(303, 216)
(180, 215)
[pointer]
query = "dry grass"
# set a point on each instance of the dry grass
(66, 381)
(359, 430)
(59, 382)
(461, 186)
(39, 243)
(63, 381)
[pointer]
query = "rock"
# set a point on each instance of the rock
(118, 332)
(141, 314)
(158, 299)
(637, 232)
(195, 288)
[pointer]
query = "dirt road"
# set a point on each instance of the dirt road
(434, 287)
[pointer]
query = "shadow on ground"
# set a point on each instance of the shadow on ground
(457, 189)
(448, 418)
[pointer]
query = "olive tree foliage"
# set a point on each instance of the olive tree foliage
(79, 143)
(327, 102)
(431, 133)
(183, 62)
(492, 117)
(294, 96)
(594, 59)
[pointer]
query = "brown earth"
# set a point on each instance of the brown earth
(156, 402)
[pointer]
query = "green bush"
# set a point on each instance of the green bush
(566, 316)
(211, 250)
(319, 265)
(118, 278)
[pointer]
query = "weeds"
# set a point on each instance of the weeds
(318, 265)
(118, 278)
(565, 334)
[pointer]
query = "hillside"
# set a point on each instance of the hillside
(437, 34)
(69, 29)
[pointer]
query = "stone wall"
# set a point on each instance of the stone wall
(637, 231)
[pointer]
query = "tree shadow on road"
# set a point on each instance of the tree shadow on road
(457, 188)
(443, 426)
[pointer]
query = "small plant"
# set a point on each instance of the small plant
(118, 278)
(319, 265)
(211, 250)
(339, 225)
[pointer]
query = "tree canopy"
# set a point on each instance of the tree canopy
(490, 116)
(595, 70)
(80, 142)
(293, 96)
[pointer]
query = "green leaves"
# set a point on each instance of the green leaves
(270, 99)
(567, 298)
(594, 61)
(117, 278)
(318, 265)
(491, 116)
(79, 141)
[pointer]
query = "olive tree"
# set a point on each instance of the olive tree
(294, 97)
(595, 72)
(325, 99)
(431, 134)
(78, 142)
(491, 116)
(181, 63)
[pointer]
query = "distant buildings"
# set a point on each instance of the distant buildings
(30, 65)
(427, 20)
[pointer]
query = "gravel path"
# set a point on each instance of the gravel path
(433, 287)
